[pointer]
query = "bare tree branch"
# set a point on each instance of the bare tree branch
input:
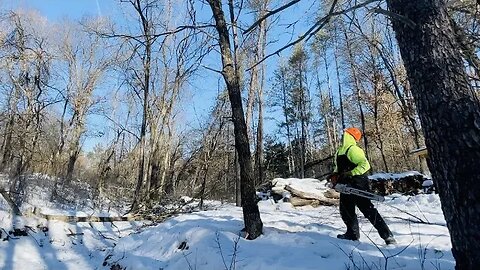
(270, 13)
(212, 69)
(395, 16)
(316, 27)
(138, 38)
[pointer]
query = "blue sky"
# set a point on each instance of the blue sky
(57, 9)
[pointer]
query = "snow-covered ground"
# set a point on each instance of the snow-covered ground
(294, 238)
(303, 238)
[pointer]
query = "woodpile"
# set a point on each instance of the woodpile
(408, 183)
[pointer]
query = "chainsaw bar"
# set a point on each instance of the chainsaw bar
(342, 188)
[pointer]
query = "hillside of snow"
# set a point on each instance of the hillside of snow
(294, 238)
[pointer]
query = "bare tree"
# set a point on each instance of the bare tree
(251, 214)
(87, 57)
(26, 67)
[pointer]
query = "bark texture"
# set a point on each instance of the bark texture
(450, 115)
(251, 214)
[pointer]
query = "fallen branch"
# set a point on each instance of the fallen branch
(405, 212)
(75, 234)
(419, 222)
(8, 237)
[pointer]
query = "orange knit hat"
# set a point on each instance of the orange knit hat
(355, 132)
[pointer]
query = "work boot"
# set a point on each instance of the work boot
(390, 240)
(346, 236)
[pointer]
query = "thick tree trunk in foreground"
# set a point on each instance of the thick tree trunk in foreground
(251, 214)
(450, 115)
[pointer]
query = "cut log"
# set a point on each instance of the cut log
(312, 196)
(332, 194)
(74, 219)
(297, 201)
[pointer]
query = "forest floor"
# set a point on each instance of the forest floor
(294, 238)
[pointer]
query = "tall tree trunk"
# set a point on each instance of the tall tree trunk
(449, 110)
(72, 159)
(238, 190)
(340, 96)
(154, 179)
(291, 157)
(104, 166)
(251, 96)
(169, 185)
(259, 145)
(74, 150)
(260, 53)
(332, 116)
(7, 144)
(141, 166)
(147, 64)
(205, 168)
(356, 85)
(378, 131)
(251, 214)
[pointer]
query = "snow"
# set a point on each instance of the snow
(377, 176)
(54, 249)
(303, 238)
(294, 238)
(427, 183)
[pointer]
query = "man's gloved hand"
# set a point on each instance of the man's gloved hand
(345, 175)
(332, 179)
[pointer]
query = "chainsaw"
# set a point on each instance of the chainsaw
(342, 188)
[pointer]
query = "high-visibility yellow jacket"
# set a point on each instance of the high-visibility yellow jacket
(355, 155)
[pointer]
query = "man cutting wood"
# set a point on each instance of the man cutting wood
(351, 166)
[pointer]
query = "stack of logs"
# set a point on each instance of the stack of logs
(408, 185)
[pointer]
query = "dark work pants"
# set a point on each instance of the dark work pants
(347, 211)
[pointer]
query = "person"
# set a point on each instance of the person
(351, 166)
